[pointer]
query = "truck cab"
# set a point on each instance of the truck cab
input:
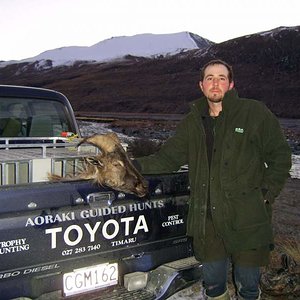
(33, 112)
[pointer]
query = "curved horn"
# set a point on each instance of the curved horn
(105, 142)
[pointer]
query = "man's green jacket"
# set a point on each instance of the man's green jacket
(250, 163)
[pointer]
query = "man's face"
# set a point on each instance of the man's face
(215, 83)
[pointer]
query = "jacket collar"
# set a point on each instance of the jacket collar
(229, 104)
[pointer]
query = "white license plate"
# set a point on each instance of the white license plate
(90, 278)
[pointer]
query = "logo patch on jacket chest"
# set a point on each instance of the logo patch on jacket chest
(239, 130)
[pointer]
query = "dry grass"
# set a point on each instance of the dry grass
(291, 247)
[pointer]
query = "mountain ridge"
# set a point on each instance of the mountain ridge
(266, 67)
(146, 45)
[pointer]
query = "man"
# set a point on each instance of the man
(238, 162)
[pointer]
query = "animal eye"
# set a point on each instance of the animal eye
(117, 163)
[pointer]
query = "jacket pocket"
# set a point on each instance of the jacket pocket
(247, 209)
(241, 158)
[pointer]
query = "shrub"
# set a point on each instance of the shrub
(143, 147)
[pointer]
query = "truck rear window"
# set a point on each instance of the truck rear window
(33, 118)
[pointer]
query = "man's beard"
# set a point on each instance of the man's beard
(215, 100)
(215, 97)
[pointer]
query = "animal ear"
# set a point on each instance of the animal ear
(93, 161)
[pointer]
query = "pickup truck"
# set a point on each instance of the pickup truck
(74, 239)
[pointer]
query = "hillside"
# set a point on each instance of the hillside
(266, 67)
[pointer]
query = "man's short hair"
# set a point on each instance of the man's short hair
(217, 62)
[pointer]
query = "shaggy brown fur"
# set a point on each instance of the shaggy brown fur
(112, 167)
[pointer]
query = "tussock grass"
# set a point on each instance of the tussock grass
(290, 247)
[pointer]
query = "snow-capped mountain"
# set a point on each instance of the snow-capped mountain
(145, 45)
(266, 67)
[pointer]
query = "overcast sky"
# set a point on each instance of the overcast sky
(29, 27)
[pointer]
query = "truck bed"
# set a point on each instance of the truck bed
(26, 161)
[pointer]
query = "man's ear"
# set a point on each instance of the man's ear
(231, 85)
(201, 85)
